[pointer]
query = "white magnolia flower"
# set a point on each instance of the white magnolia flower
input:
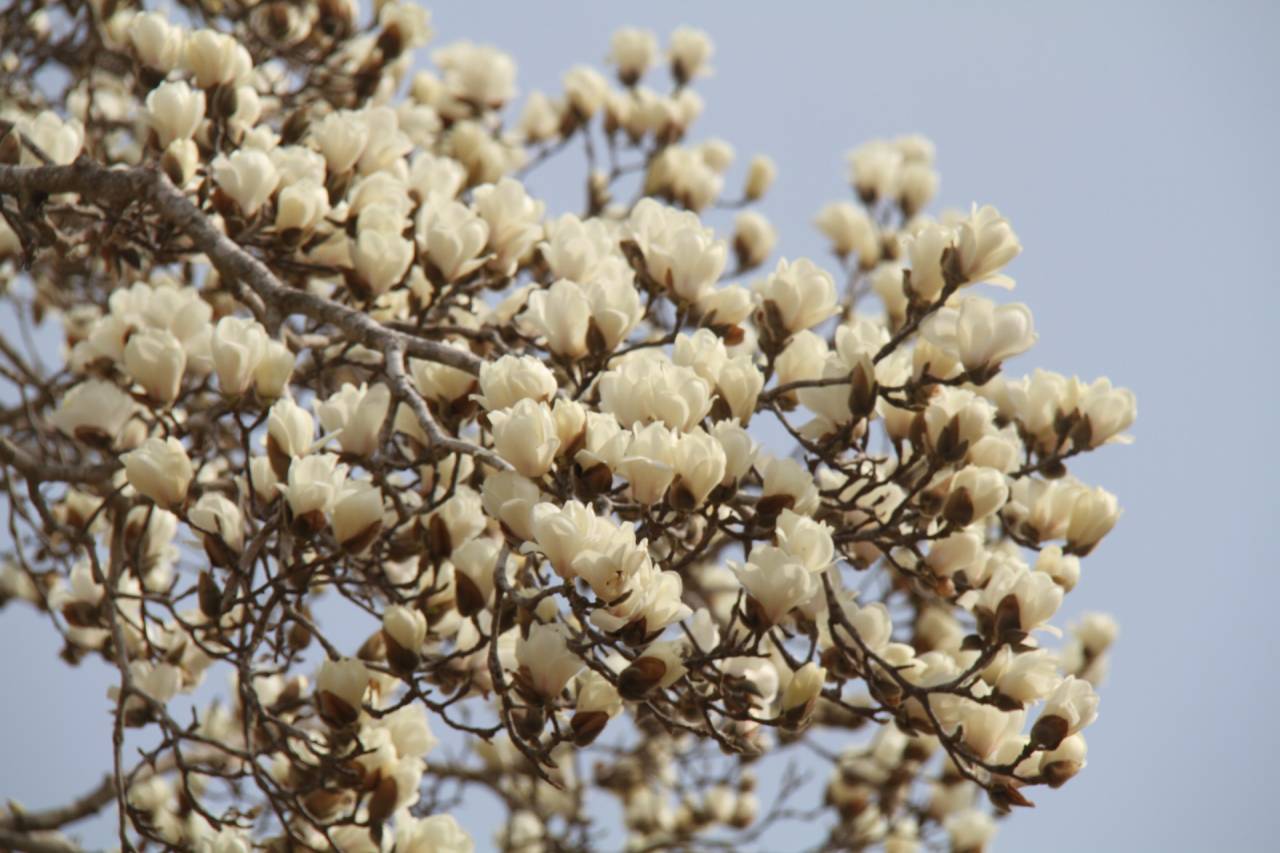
(357, 514)
(341, 137)
(94, 412)
(301, 206)
(60, 140)
(1093, 514)
(850, 230)
(438, 833)
(157, 43)
(799, 295)
(381, 258)
(561, 314)
(679, 252)
(174, 111)
(290, 429)
(649, 463)
(632, 51)
(1072, 706)
(480, 74)
(215, 515)
(777, 582)
(249, 177)
(981, 334)
(156, 360)
(525, 435)
(984, 244)
(875, 168)
(584, 90)
(356, 414)
(514, 219)
(689, 50)
(700, 463)
(215, 58)
(975, 495)
(648, 387)
(806, 540)
(160, 470)
(314, 483)
(453, 237)
(340, 688)
(546, 656)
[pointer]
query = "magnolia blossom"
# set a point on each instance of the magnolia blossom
(160, 470)
(525, 435)
(647, 387)
(980, 333)
(341, 685)
(94, 412)
(453, 237)
(649, 463)
(313, 484)
(237, 346)
(546, 657)
(157, 43)
(215, 58)
(680, 254)
(341, 138)
(632, 51)
(357, 514)
(689, 50)
(761, 173)
(975, 494)
(561, 315)
(1107, 411)
(381, 258)
(301, 206)
(249, 177)
(175, 111)
(700, 463)
(777, 582)
(850, 230)
(796, 296)
(803, 688)
(438, 833)
(156, 360)
(290, 429)
(478, 73)
(356, 414)
(984, 245)
(215, 515)
(1093, 514)
(1071, 707)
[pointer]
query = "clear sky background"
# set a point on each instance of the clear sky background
(1133, 146)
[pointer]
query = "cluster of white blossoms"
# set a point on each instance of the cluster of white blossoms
(332, 369)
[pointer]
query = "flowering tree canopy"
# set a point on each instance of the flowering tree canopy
(345, 444)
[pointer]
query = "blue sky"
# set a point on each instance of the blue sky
(1133, 148)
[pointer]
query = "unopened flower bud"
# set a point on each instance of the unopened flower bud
(760, 175)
